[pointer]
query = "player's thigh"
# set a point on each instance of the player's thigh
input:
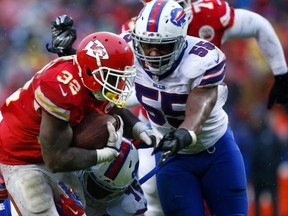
(29, 189)
(224, 184)
(179, 190)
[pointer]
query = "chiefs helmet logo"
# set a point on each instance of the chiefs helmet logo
(178, 17)
(95, 48)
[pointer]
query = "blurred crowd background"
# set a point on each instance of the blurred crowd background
(261, 134)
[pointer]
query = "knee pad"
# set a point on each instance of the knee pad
(36, 194)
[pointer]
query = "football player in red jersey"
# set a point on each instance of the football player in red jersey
(37, 120)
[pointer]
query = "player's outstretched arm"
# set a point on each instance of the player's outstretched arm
(252, 25)
(248, 24)
(199, 105)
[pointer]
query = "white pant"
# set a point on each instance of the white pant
(147, 163)
(35, 189)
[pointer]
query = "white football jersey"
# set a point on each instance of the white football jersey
(164, 97)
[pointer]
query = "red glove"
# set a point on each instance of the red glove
(70, 203)
(3, 190)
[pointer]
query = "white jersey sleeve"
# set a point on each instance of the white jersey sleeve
(248, 24)
(208, 61)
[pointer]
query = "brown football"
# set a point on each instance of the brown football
(91, 132)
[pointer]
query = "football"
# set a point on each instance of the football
(91, 132)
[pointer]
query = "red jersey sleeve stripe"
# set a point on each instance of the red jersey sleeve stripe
(50, 107)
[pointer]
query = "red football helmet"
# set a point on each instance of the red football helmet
(106, 65)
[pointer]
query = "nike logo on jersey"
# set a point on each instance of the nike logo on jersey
(62, 91)
(72, 210)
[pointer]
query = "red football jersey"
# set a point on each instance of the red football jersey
(210, 19)
(56, 89)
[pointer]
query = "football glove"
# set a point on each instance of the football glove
(279, 91)
(3, 190)
(70, 203)
(143, 132)
(112, 150)
(173, 142)
(63, 36)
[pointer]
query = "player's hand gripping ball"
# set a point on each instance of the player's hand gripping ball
(92, 131)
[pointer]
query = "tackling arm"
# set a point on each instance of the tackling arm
(199, 105)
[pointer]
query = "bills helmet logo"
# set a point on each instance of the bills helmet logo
(96, 48)
(178, 17)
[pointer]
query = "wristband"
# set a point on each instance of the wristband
(194, 138)
(106, 155)
(138, 128)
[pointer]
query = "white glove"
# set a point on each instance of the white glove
(144, 133)
(110, 152)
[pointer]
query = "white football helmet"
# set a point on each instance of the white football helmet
(185, 4)
(107, 181)
(161, 23)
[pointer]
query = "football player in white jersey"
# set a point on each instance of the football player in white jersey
(179, 82)
(206, 21)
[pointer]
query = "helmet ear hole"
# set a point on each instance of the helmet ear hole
(88, 72)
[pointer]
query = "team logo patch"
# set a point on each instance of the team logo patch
(206, 32)
(95, 48)
(178, 17)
